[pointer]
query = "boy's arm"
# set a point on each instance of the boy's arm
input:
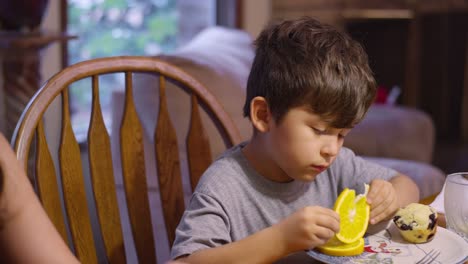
(386, 197)
(261, 247)
(304, 229)
(406, 189)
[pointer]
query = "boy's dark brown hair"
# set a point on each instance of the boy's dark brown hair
(305, 63)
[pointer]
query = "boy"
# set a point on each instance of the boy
(269, 198)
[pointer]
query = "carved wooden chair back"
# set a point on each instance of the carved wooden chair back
(74, 222)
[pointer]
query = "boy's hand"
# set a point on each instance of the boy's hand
(308, 227)
(383, 200)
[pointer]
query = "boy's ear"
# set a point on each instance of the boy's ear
(260, 115)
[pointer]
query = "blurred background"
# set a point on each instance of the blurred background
(417, 49)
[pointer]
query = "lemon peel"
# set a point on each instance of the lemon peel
(334, 247)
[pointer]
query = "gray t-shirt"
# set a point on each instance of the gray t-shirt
(233, 201)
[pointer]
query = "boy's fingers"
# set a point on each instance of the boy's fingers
(380, 217)
(335, 216)
(373, 192)
(379, 208)
(324, 233)
(377, 216)
(328, 219)
(380, 198)
(334, 222)
(334, 225)
(383, 211)
(329, 212)
(377, 192)
(375, 201)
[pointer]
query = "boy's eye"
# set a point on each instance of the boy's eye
(325, 132)
(318, 131)
(344, 133)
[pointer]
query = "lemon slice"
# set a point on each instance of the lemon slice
(334, 247)
(354, 215)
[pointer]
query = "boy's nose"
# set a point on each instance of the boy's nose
(331, 147)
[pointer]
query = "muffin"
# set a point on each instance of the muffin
(417, 222)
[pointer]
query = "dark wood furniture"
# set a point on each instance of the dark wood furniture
(20, 55)
(419, 45)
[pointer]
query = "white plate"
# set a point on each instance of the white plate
(384, 244)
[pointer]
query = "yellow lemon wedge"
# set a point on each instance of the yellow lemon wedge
(334, 247)
(354, 215)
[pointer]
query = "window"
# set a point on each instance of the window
(130, 27)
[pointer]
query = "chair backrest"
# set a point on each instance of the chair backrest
(70, 185)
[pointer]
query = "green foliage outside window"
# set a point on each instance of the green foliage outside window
(110, 28)
(121, 27)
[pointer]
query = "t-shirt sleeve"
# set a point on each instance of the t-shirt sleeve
(203, 225)
(353, 171)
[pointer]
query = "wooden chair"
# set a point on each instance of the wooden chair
(30, 135)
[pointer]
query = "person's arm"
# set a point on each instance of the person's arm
(26, 233)
(261, 247)
(305, 229)
(406, 189)
(386, 197)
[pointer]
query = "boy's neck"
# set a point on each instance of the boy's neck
(259, 159)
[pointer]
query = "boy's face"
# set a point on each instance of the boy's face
(302, 145)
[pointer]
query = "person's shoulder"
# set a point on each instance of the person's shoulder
(225, 170)
(345, 161)
(345, 155)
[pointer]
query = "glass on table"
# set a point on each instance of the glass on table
(456, 203)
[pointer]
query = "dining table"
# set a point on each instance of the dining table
(445, 247)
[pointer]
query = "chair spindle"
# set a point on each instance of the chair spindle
(134, 174)
(74, 189)
(168, 166)
(46, 178)
(102, 177)
(198, 145)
